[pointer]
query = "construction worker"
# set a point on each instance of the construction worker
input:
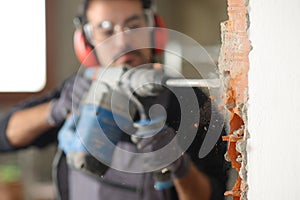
(193, 178)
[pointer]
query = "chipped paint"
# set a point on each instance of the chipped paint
(234, 66)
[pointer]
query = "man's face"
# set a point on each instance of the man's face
(109, 20)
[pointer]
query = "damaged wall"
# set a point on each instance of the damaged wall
(265, 102)
(234, 66)
(274, 100)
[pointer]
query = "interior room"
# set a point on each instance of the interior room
(199, 20)
(244, 52)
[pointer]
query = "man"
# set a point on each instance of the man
(198, 179)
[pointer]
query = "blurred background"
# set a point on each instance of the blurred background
(199, 19)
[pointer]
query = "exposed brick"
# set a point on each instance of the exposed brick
(234, 66)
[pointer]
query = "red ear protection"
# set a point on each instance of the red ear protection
(87, 58)
(160, 36)
(83, 50)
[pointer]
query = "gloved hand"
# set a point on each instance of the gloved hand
(71, 95)
(76, 153)
(179, 168)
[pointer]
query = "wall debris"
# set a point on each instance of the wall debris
(234, 66)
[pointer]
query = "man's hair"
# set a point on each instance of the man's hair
(85, 3)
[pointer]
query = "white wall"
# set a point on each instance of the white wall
(23, 46)
(274, 104)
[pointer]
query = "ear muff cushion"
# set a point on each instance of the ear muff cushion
(84, 50)
(160, 36)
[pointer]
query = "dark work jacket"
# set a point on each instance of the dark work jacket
(72, 184)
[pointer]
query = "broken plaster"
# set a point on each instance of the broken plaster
(234, 66)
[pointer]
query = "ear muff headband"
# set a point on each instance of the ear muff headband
(86, 56)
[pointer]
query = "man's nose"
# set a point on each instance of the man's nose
(121, 39)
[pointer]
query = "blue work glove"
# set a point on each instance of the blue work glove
(76, 153)
(179, 168)
(70, 96)
(68, 140)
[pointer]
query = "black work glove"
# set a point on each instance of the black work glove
(73, 90)
(177, 169)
